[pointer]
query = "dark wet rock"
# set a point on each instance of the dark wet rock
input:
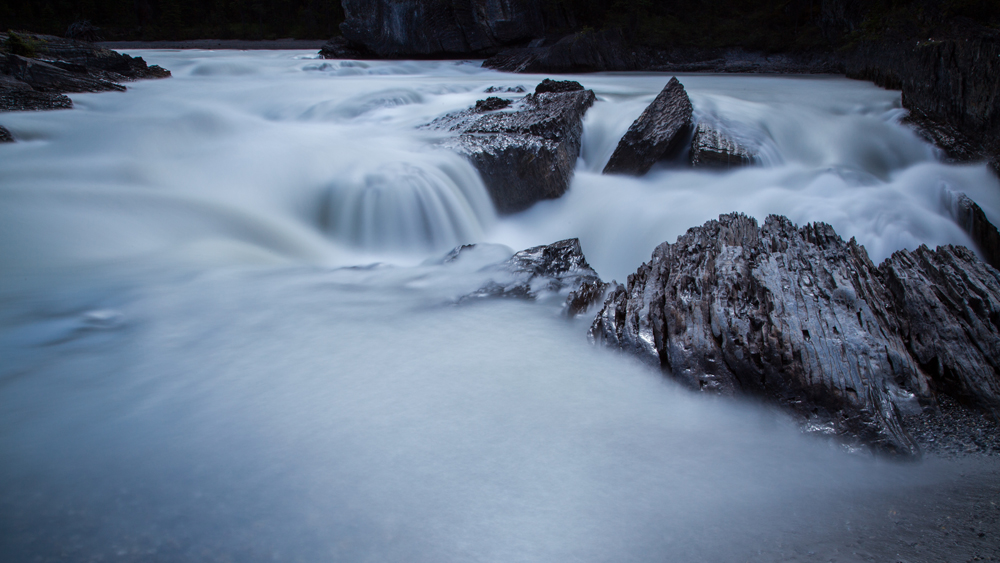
(83, 31)
(341, 48)
(492, 104)
(581, 52)
(713, 148)
(18, 96)
(539, 272)
(445, 28)
(506, 90)
(55, 76)
(794, 315)
(950, 85)
(5, 136)
(952, 430)
(524, 155)
(948, 305)
(558, 86)
(738, 60)
(984, 234)
(102, 63)
(657, 133)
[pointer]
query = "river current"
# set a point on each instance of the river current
(225, 334)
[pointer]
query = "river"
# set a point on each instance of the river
(225, 334)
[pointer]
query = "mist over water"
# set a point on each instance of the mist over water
(225, 336)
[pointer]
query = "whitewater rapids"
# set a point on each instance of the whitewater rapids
(225, 336)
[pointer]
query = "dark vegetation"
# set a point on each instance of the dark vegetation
(770, 25)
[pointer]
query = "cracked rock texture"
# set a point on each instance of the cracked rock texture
(526, 153)
(658, 133)
(712, 148)
(800, 317)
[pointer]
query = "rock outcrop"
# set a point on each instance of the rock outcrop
(948, 305)
(526, 153)
(984, 234)
(554, 270)
(340, 48)
(47, 67)
(797, 316)
(951, 86)
(443, 28)
(712, 148)
(591, 51)
(658, 133)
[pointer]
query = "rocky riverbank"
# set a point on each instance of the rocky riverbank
(37, 71)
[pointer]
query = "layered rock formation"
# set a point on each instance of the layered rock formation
(712, 148)
(804, 319)
(49, 66)
(984, 234)
(658, 133)
(951, 86)
(526, 153)
(444, 28)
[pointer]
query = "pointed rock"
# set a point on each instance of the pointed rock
(656, 134)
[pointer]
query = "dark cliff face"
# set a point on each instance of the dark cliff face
(415, 28)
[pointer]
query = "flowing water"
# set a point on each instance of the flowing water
(224, 334)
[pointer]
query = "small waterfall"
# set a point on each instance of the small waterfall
(434, 204)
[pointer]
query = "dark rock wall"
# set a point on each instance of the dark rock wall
(418, 28)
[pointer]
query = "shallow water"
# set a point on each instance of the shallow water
(195, 367)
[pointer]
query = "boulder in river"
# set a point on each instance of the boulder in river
(792, 314)
(526, 153)
(713, 148)
(555, 269)
(657, 134)
(5, 136)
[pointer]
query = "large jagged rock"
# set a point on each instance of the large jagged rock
(984, 234)
(658, 133)
(795, 315)
(526, 153)
(948, 303)
(557, 269)
(592, 51)
(712, 148)
(444, 28)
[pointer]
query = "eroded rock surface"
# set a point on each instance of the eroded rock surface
(60, 66)
(526, 153)
(555, 269)
(658, 133)
(948, 304)
(796, 315)
(712, 148)
(800, 317)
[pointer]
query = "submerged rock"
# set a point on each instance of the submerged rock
(658, 133)
(524, 155)
(712, 148)
(543, 271)
(795, 315)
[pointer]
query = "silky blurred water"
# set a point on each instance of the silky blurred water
(225, 337)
